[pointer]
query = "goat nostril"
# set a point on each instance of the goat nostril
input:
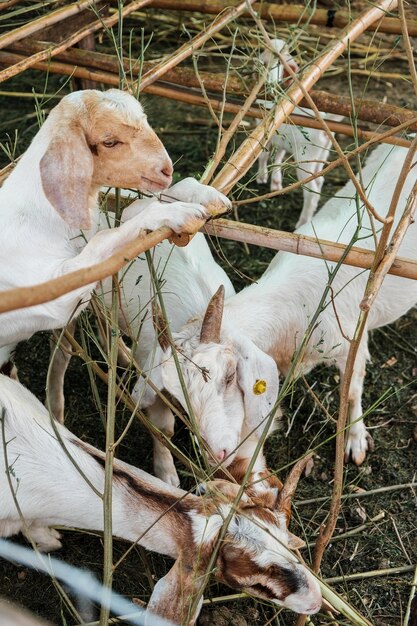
(167, 170)
(221, 455)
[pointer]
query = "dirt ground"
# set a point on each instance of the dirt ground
(384, 544)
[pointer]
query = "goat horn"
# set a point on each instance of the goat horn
(160, 326)
(286, 494)
(210, 328)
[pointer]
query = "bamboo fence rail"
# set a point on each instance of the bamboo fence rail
(237, 231)
(290, 13)
(76, 37)
(388, 115)
(42, 22)
(366, 110)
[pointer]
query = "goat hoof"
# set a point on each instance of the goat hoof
(276, 186)
(46, 539)
(357, 446)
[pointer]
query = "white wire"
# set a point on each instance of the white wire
(81, 582)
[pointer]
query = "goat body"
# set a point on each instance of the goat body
(309, 146)
(37, 473)
(49, 212)
(268, 320)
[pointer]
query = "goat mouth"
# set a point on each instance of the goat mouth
(225, 463)
(148, 184)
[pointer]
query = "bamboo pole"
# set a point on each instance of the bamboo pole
(303, 244)
(365, 110)
(196, 99)
(278, 240)
(6, 4)
(184, 76)
(290, 14)
(251, 148)
(42, 22)
(74, 38)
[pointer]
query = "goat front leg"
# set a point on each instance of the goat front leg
(163, 463)
(60, 359)
(311, 192)
(262, 175)
(276, 176)
(180, 217)
(359, 441)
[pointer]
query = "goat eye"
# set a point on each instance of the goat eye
(110, 143)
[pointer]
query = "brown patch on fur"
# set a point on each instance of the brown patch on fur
(76, 161)
(160, 500)
(240, 571)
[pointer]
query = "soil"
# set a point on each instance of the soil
(387, 543)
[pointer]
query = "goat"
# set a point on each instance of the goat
(309, 146)
(179, 268)
(229, 359)
(44, 469)
(89, 139)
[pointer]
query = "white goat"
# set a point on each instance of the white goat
(190, 276)
(254, 555)
(49, 203)
(309, 146)
(265, 323)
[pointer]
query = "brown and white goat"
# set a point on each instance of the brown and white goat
(50, 488)
(49, 211)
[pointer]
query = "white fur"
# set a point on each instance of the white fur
(271, 316)
(36, 244)
(189, 278)
(309, 146)
(51, 490)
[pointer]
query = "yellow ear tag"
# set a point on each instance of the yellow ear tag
(259, 387)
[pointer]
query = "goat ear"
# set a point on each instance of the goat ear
(66, 173)
(219, 488)
(257, 376)
(294, 542)
(173, 595)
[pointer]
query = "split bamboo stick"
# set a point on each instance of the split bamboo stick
(277, 240)
(54, 49)
(305, 245)
(290, 14)
(42, 22)
(251, 148)
(193, 98)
